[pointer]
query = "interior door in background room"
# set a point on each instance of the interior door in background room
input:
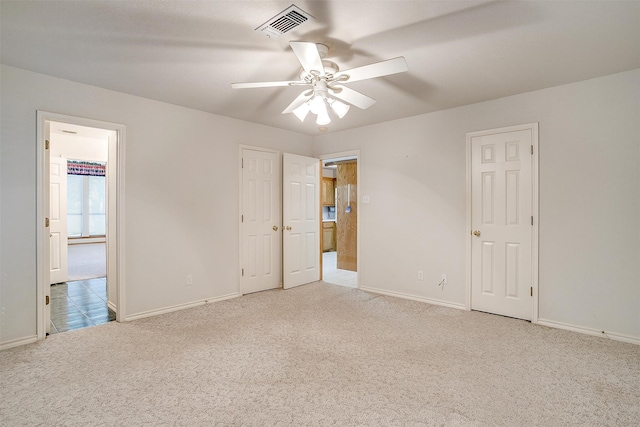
(58, 220)
(301, 219)
(501, 221)
(261, 219)
(347, 216)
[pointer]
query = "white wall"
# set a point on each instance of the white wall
(181, 194)
(76, 147)
(414, 172)
(181, 199)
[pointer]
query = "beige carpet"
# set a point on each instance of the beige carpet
(86, 261)
(321, 355)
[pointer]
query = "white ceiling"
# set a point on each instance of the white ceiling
(189, 52)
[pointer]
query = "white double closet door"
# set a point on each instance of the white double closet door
(280, 220)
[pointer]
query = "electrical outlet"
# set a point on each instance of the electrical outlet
(189, 280)
(420, 275)
(444, 279)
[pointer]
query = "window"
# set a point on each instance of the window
(86, 199)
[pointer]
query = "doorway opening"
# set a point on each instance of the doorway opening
(78, 161)
(79, 241)
(340, 177)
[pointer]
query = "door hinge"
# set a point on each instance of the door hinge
(531, 219)
(242, 166)
(46, 144)
(241, 218)
(46, 300)
(243, 272)
(46, 222)
(531, 290)
(532, 149)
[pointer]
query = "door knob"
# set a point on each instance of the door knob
(476, 233)
(288, 228)
(275, 228)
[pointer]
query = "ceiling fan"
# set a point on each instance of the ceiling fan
(326, 83)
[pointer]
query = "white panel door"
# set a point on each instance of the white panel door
(301, 219)
(501, 220)
(261, 214)
(58, 219)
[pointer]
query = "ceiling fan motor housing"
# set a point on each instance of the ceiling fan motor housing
(330, 69)
(320, 88)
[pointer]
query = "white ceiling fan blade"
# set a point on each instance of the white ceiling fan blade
(301, 99)
(266, 84)
(377, 69)
(308, 56)
(351, 96)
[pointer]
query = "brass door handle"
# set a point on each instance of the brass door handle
(288, 228)
(476, 233)
(275, 228)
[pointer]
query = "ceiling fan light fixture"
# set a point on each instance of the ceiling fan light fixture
(302, 111)
(338, 107)
(317, 105)
(323, 118)
(325, 77)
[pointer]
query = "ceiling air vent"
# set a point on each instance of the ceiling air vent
(290, 18)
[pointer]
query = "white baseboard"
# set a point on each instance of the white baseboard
(413, 297)
(111, 306)
(86, 240)
(18, 342)
(589, 331)
(180, 307)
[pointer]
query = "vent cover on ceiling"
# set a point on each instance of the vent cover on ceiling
(288, 19)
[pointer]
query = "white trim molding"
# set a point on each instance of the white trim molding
(179, 307)
(414, 298)
(111, 306)
(86, 240)
(590, 331)
(18, 342)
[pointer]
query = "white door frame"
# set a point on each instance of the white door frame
(356, 154)
(241, 148)
(533, 127)
(115, 232)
